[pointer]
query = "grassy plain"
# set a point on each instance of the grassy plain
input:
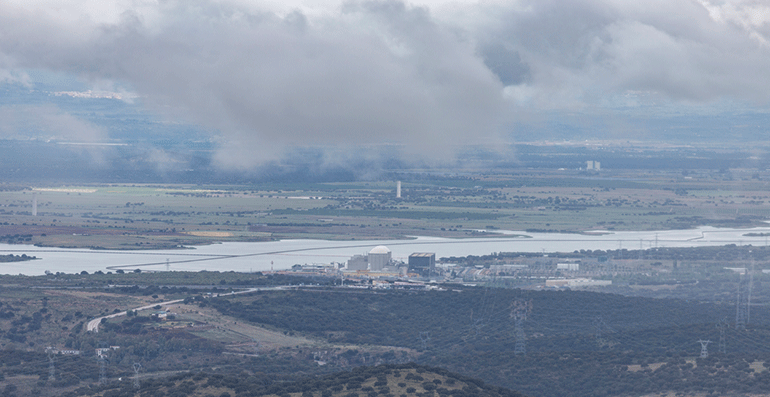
(166, 216)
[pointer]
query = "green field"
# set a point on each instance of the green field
(166, 216)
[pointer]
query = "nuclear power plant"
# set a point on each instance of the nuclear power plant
(380, 260)
(379, 257)
(377, 260)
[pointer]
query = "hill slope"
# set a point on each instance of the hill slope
(410, 380)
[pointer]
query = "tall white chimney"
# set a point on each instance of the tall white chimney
(398, 189)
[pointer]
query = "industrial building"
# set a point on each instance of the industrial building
(423, 262)
(577, 283)
(358, 262)
(571, 266)
(379, 257)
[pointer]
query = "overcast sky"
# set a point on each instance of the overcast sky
(426, 74)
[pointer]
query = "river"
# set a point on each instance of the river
(260, 256)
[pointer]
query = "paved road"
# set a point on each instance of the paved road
(93, 325)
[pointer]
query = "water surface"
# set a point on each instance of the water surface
(259, 256)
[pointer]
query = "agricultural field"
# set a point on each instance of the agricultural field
(134, 216)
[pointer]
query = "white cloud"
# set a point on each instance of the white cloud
(46, 123)
(375, 72)
(427, 74)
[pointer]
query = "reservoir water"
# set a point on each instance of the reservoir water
(246, 257)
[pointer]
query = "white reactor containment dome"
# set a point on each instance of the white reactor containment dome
(380, 249)
(379, 257)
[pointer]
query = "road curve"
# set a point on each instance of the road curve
(93, 325)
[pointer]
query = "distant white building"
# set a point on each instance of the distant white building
(506, 268)
(593, 165)
(577, 283)
(568, 266)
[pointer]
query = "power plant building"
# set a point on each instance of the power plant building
(358, 262)
(423, 262)
(568, 266)
(379, 257)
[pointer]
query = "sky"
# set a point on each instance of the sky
(264, 76)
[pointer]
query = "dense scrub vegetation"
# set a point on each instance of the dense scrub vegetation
(397, 317)
(566, 343)
(386, 380)
(575, 342)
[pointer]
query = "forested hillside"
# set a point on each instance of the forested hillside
(539, 342)
(386, 380)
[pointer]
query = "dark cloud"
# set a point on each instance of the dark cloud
(584, 51)
(386, 73)
(505, 63)
(378, 72)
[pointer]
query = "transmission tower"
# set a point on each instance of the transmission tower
(476, 324)
(748, 298)
(599, 326)
(137, 367)
(481, 315)
(424, 338)
(256, 346)
(704, 350)
(519, 311)
(722, 326)
(740, 307)
(101, 352)
(51, 365)
(102, 369)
